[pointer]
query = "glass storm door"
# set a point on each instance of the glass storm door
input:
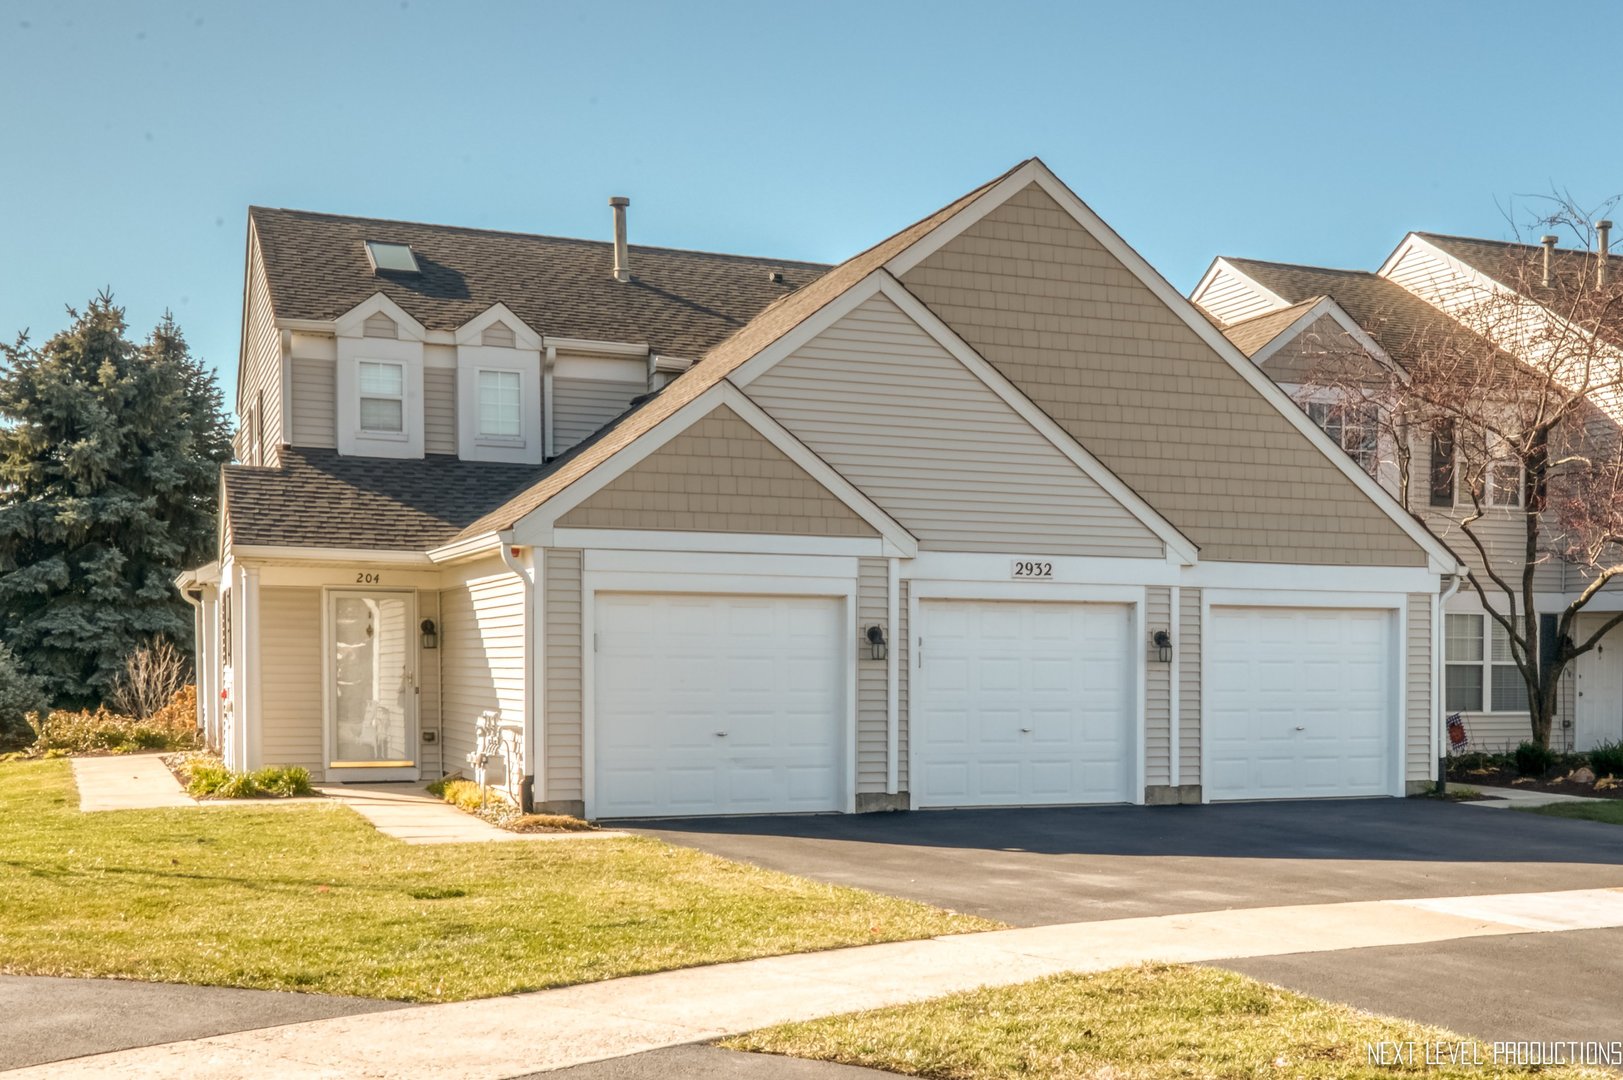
(374, 693)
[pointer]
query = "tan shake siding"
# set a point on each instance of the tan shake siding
(315, 403)
(1323, 354)
(1188, 642)
(904, 671)
(897, 415)
(581, 406)
(439, 411)
(872, 729)
(1418, 691)
(562, 621)
(290, 639)
(262, 370)
(482, 647)
(720, 475)
(1231, 297)
(1157, 690)
(1060, 316)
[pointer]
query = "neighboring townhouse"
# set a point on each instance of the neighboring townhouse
(988, 514)
(1291, 320)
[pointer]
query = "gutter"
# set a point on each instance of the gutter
(1439, 732)
(531, 741)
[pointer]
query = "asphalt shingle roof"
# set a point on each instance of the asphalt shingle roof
(1249, 335)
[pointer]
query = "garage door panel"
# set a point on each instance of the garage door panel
(1021, 703)
(1299, 703)
(673, 671)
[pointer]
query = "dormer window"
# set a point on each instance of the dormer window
(383, 397)
(392, 258)
(500, 406)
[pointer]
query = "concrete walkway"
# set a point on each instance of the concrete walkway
(1502, 798)
(127, 782)
(553, 1029)
(407, 812)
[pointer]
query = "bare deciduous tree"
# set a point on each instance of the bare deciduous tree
(153, 673)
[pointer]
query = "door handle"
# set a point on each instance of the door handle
(721, 734)
(1300, 727)
(1026, 730)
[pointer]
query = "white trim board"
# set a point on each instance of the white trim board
(1035, 172)
(351, 322)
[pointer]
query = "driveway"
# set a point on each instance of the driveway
(1030, 867)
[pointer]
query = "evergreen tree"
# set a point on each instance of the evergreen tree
(109, 463)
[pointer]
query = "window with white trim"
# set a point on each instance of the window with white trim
(1504, 483)
(1478, 678)
(501, 413)
(1354, 427)
(383, 397)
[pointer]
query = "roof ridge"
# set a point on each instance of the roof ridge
(254, 207)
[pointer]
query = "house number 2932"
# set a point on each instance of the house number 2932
(1027, 568)
(364, 578)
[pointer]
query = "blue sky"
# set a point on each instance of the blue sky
(135, 134)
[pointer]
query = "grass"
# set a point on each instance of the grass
(1143, 1023)
(1610, 811)
(310, 897)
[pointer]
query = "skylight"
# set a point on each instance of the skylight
(395, 258)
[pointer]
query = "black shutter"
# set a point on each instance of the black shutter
(1442, 463)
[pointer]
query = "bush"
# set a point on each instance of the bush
(153, 674)
(1607, 759)
(1533, 759)
(462, 794)
(172, 727)
(20, 694)
(211, 780)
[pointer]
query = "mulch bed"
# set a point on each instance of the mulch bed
(1510, 778)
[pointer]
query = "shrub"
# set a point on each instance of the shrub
(548, 823)
(284, 781)
(1607, 759)
(462, 794)
(20, 694)
(173, 727)
(211, 780)
(1533, 759)
(153, 674)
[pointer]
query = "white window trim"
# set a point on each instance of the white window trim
(1486, 626)
(361, 397)
(1381, 449)
(1462, 495)
(483, 438)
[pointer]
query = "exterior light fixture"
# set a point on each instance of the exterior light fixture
(876, 642)
(1163, 646)
(431, 637)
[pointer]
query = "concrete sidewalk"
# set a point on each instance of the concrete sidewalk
(552, 1029)
(407, 812)
(127, 782)
(1502, 798)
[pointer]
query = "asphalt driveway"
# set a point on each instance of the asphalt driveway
(1029, 867)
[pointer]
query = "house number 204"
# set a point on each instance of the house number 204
(364, 578)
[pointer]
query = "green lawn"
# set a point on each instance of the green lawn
(1143, 1023)
(1609, 810)
(311, 897)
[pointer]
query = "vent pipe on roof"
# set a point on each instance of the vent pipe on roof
(622, 264)
(1549, 243)
(1603, 247)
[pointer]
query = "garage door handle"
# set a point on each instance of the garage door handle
(1026, 730)
(1300, 727)
(721, 734)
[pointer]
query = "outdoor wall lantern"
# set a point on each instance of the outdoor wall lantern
(1163, 646)
(876, 642)
(431, 637)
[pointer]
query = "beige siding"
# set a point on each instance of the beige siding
(904, 672)
(379, 325)
(498, 334)
(1188, 643)
(872, 728)
(260, 384)
(482, 653)
(1063, 319)
(898, 416)
(290, 639)
(1322, 353)
(1231, 297)
(581, 406)
(315, 403)
(430, 755)
(1157, 690)
(720, 475)
(439, 410)
(1418, 690)
(561, 620)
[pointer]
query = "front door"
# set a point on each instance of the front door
(372, 692)
(1600, 686)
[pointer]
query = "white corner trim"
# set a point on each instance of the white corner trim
(470, 332)
(351, 322)
(543, 520)
(1035, 171)
(1221, 264)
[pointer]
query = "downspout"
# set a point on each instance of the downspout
(510, 559)
(893, 739)
(1439, 733)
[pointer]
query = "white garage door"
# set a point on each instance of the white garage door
(1300, 703)
(717, 704)
(1022, 704)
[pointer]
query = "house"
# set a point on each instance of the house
(1289, 318)
(988, 514)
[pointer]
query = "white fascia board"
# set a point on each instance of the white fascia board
(1219, 265)
(458, 550)
(351, 322)
(470, 332)
(599, 348)
(537, 527)
(718, 543)
(288, 553)
(308, 326)
(1036, 172)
